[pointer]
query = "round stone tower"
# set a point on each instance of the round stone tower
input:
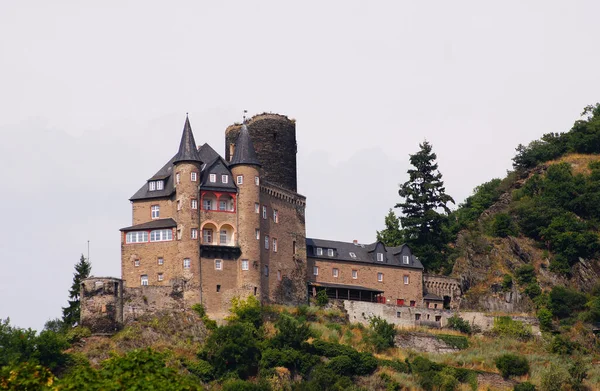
(245, 164)
(274, 138)
(101, 301)
(187, 167)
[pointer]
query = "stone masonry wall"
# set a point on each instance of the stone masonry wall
(102, 304)
(274, 139)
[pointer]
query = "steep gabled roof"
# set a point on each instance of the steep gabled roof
(363, 253)
(165, 173)
(188, 151)
(218, 167)
(244, 152)
(207, 154)
(154, 224)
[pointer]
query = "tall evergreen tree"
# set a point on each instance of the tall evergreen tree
(392, 234)
(424, 196)
(72, 311)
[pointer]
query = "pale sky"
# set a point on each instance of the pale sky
(93, 97)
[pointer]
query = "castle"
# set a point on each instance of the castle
(207, 228)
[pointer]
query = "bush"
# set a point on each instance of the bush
(456, 341)
(396, 365)
(554, 378)
(545, 317)
(503, 226)
(512, 365)
(561, 345)
(507, 282)
(505, 326)
(455, 322)
(290, 332)
(242, 385)
(525, 386)
(246, 311)
(381, 335)
(532, 290)
(202, 369)
(565, 301)
(322, 298)
(342, 365)
(525, 274)
(209, 323)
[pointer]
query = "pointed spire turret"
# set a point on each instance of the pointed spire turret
(187, 147)
(244, 152)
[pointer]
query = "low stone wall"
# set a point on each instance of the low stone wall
(422, 342)
(361, 312)
(151, 300)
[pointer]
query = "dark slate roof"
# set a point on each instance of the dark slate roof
(432, 297)
(244, 152)
(219, 168)
(166, 174)
(207, 154)
(364, 253)
(342, 286)
(154, 224)
(187, 147)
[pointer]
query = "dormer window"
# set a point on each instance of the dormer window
(213, 178)
(380, 257)
(159, 185)
(352, 255)
(319, 251)
(225, 178)
(405, 259)
(151, 185)
(330, 252)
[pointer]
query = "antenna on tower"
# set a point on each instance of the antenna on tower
(245, 112)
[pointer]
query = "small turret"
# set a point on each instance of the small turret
(188, 151)
(244, 152)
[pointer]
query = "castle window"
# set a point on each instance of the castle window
(274, 245)
(194, 176)
(352, 255)
(267, 242)
(264, 212)
(412, 303)
(379, 257)
(319, 251)
(330, 252)
(161, 261)
(218, 264)
(159, 185)
(177, 178)
(178, 204)
(278, 275)
(275, 216)
(380, 277)
(222, 205)
(417, 316)
(355, 274)
(207, 205)
(398, 314)
(240, 179)
(144, 280)
(207, 235)
(245, 264)
(256, 207)
(194, 203)
(405, 259)
(155, 211)
(294, 247)
(151, 185)
(225, 178)
(213, 178)
(136, 263)
(194, 233)
(218, 288)
(187, 263)
(136, 237)
(257, 233)
(266, 270)
(406, 280)
(161, 235)
(256, 181)
(315, 270)
(335, 272)
(160, 277)
(223, 236)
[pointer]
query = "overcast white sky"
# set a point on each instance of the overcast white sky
(93, 97)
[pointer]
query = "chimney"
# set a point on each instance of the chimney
(355, 242)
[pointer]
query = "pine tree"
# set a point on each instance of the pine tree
(424, 196)
(72, 311)
(392, 234)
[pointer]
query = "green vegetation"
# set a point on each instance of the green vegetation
(71, 313)
(512, 365)
(457, 323)
(381, 335)
(504, 326)
(456, 341)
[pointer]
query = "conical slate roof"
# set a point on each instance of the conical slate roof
(187, 146)
(244, 150)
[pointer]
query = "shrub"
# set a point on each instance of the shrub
(565, 301)
(202, 369)
(322, 298)
(342, 365)
(533, 290)
(525, 274)
(456, 341)
(507, 282)
(290, 332)
(525, 386)
(381, 335)
(209, 323)
(242, 385)
(554, 378)
(455, 322)
(561, 345)
(396, 365)
(506, 326)
(512, 365)
(503, 226)
(545, 317)
(246, 311)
